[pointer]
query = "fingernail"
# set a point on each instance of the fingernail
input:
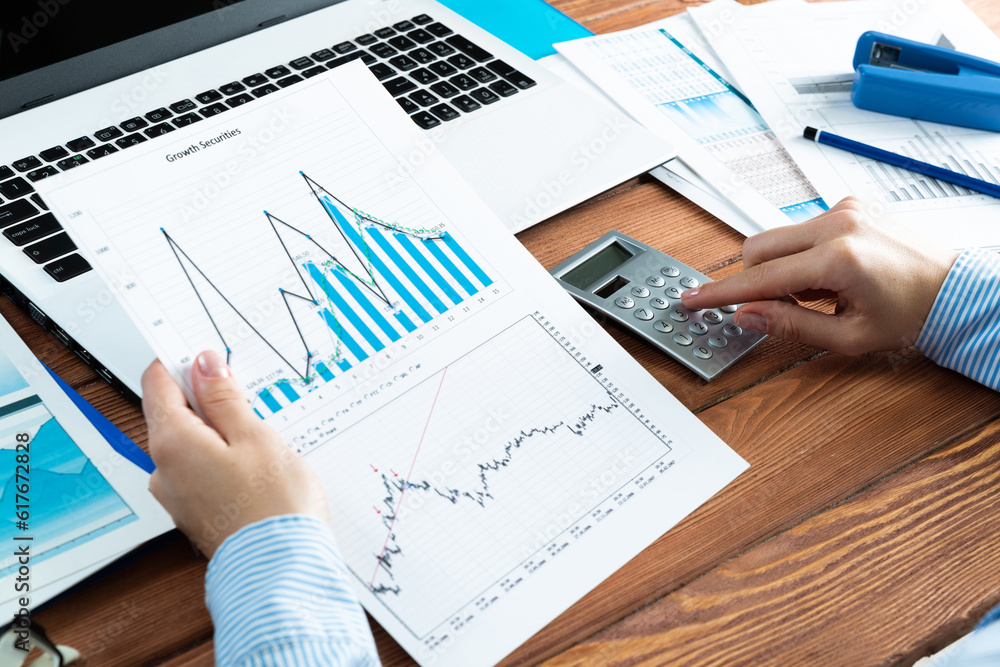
(211, 365)
(690, 294)
(752, 321)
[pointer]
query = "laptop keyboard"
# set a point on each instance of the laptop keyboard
(435, 74)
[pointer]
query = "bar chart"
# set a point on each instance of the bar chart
(401, 279)
(902, 185)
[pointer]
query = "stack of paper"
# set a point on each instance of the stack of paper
(733, 87)
(489, 452)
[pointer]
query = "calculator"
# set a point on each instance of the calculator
(640, 287)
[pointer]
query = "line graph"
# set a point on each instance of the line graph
(403, 485)
(481, 474)
(393, 280)
(479, 495)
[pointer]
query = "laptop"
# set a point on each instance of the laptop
(80, 81)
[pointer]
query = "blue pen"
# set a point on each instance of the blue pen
(830, 139)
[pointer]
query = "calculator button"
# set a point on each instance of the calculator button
(732, 330)
(712, 317)
(639, 291)
(682, 338)
(644, 314)
(687, 282)
(673, 292)
(670, 271)
(718, 341)
(624, 302)
(702, 353)
(663, 326)
(729, 309)
(678, 315)
(655, 281)
(659, 304)
(698, 328)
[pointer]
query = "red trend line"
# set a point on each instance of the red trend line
(406, 483)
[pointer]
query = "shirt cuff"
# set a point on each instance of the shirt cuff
(962, 331)
(279, 584)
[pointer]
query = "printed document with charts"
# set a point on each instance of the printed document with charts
(489, 452)
(71, 503)
(813, 88)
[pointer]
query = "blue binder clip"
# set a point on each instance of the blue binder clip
(906, 78)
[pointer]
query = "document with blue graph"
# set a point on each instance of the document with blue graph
(70, 502)
(489, 452)
(814, 89)
(666, 77)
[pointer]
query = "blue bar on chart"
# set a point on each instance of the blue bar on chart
(344, 364)
(323, 371)
(344, 336)
(470, 264)
(405, 321)
(434, 245)
(366, 304)
(288, 391)
(272, 404)
(419, 258)
(408, 271)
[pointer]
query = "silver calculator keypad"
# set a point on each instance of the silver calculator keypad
(640, 287)
(707, 341)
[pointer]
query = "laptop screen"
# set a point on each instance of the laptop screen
(38, 33)
(54, 48)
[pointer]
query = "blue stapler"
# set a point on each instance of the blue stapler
(906, 78)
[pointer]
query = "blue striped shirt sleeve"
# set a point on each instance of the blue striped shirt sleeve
(962, 331)
(279, 595)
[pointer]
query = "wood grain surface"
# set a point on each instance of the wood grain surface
(864, 533)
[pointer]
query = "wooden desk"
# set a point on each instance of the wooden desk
(866, 531)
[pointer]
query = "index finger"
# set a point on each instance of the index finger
(792, 239)
(770, 280)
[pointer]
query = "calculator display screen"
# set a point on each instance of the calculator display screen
(593, 268)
